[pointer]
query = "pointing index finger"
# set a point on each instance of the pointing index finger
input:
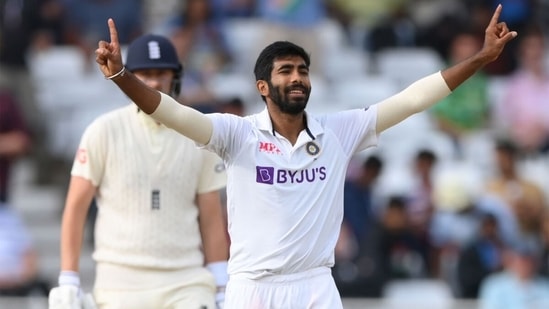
(113, 31)
(495, 17)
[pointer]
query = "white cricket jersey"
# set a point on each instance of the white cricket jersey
(285, 203)
(147, 178)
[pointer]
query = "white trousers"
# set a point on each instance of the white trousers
(312, 289)
(158, 289)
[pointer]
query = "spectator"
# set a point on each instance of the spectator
(519, 13)
(524, 198)
(295, 21)
(358, 198)
(438, 22)
(401, 253)
(466, 110)
(358, 216)
(232, 106)
(202, 48)
(517, 286)
(454, 223)
(396, 30)
(391, 250)
(14, 139)
(480, 258)
(52, 25)
(524, 110)
(420, 201)
(86, 22)
(460, 206)
(420, 206)
(19, 274)
(234, 8)
(24, 25)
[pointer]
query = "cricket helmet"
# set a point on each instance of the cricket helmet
(151, 51)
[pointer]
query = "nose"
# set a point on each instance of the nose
(296, 77)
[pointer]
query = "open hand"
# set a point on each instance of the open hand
(496, 36)
(108, 54)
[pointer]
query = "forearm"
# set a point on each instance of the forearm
(143, 96)
(216, 246)
(418, 97)
(212, 228)
(72, 231)
(79, 197)
(460, 72)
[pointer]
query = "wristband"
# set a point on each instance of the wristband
(115, 75)
(219, 271)
(68, 277)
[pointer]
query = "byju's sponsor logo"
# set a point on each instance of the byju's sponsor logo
(265, 174)
(268, 175)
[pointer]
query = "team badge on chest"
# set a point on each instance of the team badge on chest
(312, 148)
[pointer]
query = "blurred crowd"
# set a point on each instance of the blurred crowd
(478, 227)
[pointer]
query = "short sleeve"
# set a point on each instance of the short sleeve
(212, 176)
(356, 128)
(90, 158)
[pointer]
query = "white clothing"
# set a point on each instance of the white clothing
(147, 178)
(285, 214)
(311, 289)
(148, 288)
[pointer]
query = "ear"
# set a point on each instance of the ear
(262, 87)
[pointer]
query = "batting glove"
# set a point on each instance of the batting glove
(219, 271)
(69, 295)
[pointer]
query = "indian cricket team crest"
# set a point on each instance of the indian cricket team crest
(312, 148)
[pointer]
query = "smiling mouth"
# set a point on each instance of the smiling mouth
(297, 92)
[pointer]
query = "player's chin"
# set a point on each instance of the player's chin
(296, 107)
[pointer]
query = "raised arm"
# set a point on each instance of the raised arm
(429, 90)
(162, 107)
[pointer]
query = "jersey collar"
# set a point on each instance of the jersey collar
(313, 128)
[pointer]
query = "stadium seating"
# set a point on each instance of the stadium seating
(406, 65)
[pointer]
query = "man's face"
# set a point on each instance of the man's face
(159, 79)
(290, 86)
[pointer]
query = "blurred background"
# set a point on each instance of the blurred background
(447, 212)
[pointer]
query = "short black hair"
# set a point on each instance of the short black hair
(507, 146)
(265, 60)
(373, 162)
(426, 154)
(396, 202)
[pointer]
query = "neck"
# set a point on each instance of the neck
(287, 125)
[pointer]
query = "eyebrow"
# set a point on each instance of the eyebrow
(291, 66)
